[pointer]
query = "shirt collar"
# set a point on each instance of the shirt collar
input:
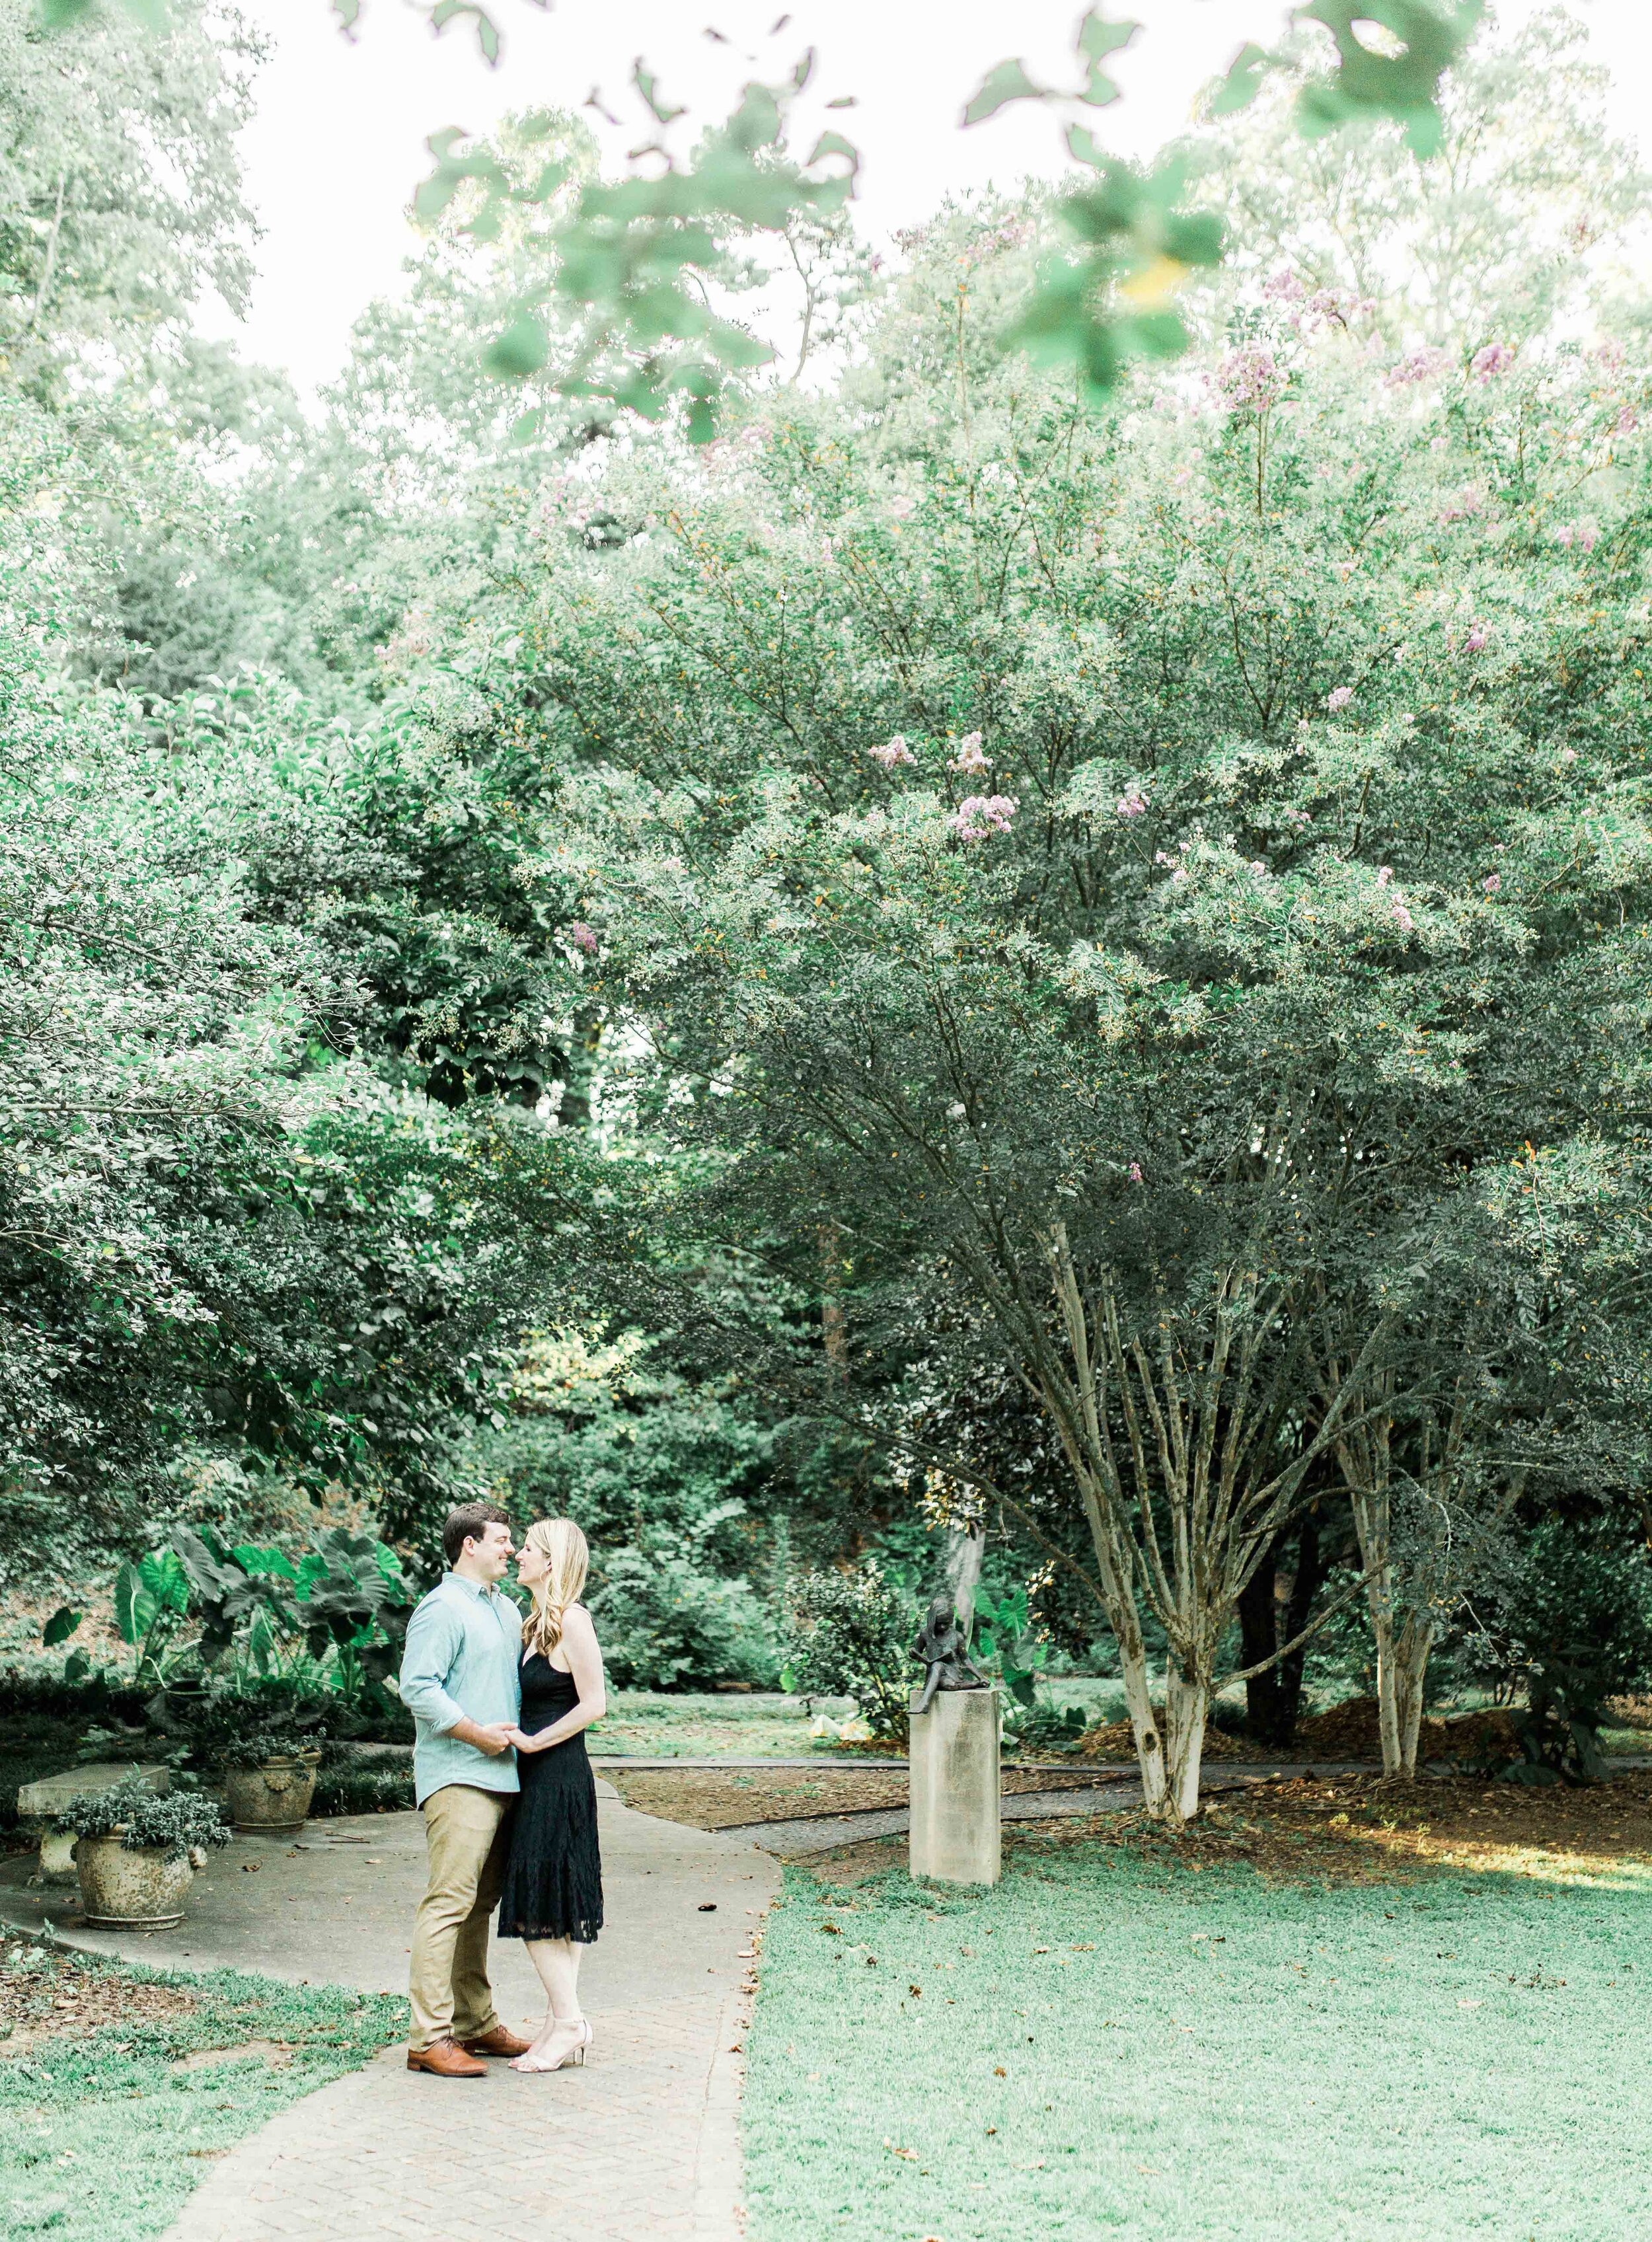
(474, 1588)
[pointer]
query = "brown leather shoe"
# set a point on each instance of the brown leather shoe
(446, 2060)
(500, 2040)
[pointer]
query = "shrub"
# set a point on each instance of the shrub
(176, 1822)
(665, 1622)
(348, 1785)
(850, 1636)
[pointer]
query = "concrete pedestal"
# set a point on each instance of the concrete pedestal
(954, 1756)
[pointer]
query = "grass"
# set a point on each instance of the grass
(113, 2112)
(1109, 2044)
(643, 1724)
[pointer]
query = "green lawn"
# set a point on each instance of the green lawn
(1105, 2046)
(641, 1724)
(103, 2136)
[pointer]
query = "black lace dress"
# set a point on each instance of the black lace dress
(554, 1875)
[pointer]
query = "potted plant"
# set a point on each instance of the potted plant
(269, 1778)
(137, 1851)
(263, 1743)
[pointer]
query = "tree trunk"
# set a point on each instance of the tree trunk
(575, 1111)
(1410, 1667)
(1259, 1619)
(1188, 1702)
(834, 1325)
(1274, 1698)
(1370, 1525)
(1144, 1722)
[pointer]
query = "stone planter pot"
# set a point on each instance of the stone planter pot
(122, 1890)
(275, 1796)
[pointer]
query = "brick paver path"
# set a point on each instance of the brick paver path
(640, 2145)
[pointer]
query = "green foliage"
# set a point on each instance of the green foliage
(121, 186)
(851, 1635)
(171, 1822)
(666, 1621)
(1570, 1626)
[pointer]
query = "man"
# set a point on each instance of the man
(460, 1681)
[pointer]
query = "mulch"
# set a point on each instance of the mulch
(708, 1798)
(1346, 1731)
(48, 1992)
(1351, 1830)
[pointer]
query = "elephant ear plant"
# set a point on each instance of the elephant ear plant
(173, 1823)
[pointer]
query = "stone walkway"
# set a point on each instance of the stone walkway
(640, 2145)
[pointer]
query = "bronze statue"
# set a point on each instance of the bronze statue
(944, 1651)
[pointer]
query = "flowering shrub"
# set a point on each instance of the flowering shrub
(1250, 379)
(977, 815)
(971, 757)
(892, 752)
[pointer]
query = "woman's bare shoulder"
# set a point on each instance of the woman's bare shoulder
(577, 1620)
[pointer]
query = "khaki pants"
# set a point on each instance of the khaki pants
(467, 1834)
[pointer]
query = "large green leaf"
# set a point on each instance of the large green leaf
(1405, 85)
(60, 1626)
(1005, 82)
(135, 1605)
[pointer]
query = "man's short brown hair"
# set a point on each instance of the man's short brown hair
(467, 1524)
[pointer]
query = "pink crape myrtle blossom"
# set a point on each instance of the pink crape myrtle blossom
(1250, 379)
(970, 755)
(1479, 638)
(1490, 360)
(582, 936)
(1627, 422)
(892, 752)
(1340, 306)
(1384, 875)
(1133, 802)
(1608, 354)
(1283, 287)
(977, 815)
(1492, 882)
(1416, 366)
(1403, 919)
(1585, 535)
(1135, 1171)
(1466, 504)
(1339, 698)
(902, 507)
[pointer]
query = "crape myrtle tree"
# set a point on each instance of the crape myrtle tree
(1142, 878)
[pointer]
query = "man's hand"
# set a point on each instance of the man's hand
(494, 1738)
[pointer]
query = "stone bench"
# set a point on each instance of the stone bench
(40, 1807)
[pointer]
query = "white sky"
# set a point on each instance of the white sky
(337, 144)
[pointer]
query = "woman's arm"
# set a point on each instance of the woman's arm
(585, 1664)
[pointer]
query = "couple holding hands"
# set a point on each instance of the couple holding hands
(500, 1706)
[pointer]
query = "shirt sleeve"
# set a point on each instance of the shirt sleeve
(435, 1636)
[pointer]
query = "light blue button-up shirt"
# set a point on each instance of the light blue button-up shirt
(461, 1660)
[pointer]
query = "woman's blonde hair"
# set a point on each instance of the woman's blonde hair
(560, 1541)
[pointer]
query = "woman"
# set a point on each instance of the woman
(553, 1894)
